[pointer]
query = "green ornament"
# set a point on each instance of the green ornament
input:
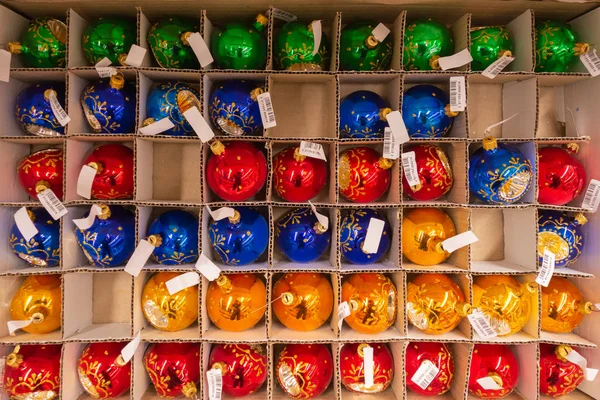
(43, 45)
(294, 48)
(489, 44)
(424, 42)
(240, 46)
(108, 37)
(168, 41)
(361, 51)
(557, 46)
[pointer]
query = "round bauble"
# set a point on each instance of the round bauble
(561, 176)
(434, 173)
(243, 367)
(174, 234)
(363, 115)
(170, 100)
(294, 48)
(33, 372)
(301, 237)
(174, 369)
(238, 45)
(233, 108)
(43, 249)
(423, 231)
(102, 371)
(418, 353)
(426, 112)
(168, 40)
(496, 362)
(488, 44)
(557, 47)
(355, 224)
(425, 41)
(34, 113)
(352, 367)
(42, 170)
(39, 298)
(563, 306)
(562, 235)
(108, 37)
(43, 44)
(298, 178)
(363, 174)
(114, 172)
(303, 370)
(361, 51)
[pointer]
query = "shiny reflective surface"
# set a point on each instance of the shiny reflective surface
(563, 306)
(233, 108)
(423, 231)
(488, 44)
(238, 45)
(303, 370)
(300, 236)
(33, 110)
(439, 355)
(360, 51)
(362, 115)
(108, 37)
(426, 112)
(558, 376)
(424, 42)
(174, 368)
(352, 367)
(39, 298)
(498, 362)
(243, 367)
(561, 176)
(177, 235)
(102, 372)
(114, 172)
(43, 43)
(294, 48)
(561, 234)
(42, 250)
(363, 174)
(42, 170)
(171, 100)
(32, 372)
(353, 232)
(557, 47)
(168, 42)
(298, 178)
(434, 173)
(109, 105)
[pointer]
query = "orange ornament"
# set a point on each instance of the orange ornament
(423, 231)
(563, 306)
(39, 298)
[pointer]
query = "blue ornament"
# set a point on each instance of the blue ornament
(562, 235)
(301, 237)
(233, 108)
(42, 250)
(34, 112)
(363, 115)
(354, 231)
(174, 235)
(110, 241)
(241, 239)
(499, 173)
(426, 112)
(109, 105)
(171, 100)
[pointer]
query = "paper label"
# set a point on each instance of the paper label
(458, 100)
(103, 69)
(25, 224)
(373, 236)
(140, 256)
(425, 374)
(14, 326)
(547, 268)
(591, 61)
(488, 383)
(87, 222)
(129, 350)
(221, 213)
(135, 56)
(396, 123)
(576, 358)
(201, 50)
(317, 30)
(380, 32)
(207, 268)
(5, 58)
(592, 196)
(409, 166)
(314, 150)
(323, 220)
(391, 148)
(52, 204)
(58, 111)
(199, 124)
(182, 281)
(343, 312)
(497, 66)
(283, 15)
(159, 126)
(456, 60)
(481, 325)
(215, 384)
(368, 366)
(266, 110)
(461, 240)
(85, 181)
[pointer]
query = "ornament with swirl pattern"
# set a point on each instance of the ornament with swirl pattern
(423, 231)
(353, 365)
(561, 175)
(499, 173)
(363, 174)
(174, 234)
(174, 369)
(102, 371)
(243, 367)
(43, 44)
(239, 45)
(495, 361)
(301, 237)
(354, 231)
(168, 40)
(32, 372)
(363, 115)
(39, 298)
(42, 170)
(558, 376)
(108, 37)
(361, 51)
(233, 108)
(426, 112)
(43, 249)
(417, 354)
(171, 100)
(563, 306)
(425, 41)
(296, 177)
(557, 47)
(561, 234)
(294, 48)
(433, 171)
(488, 44)
(114, 172)
(304, 370)
(34, 112)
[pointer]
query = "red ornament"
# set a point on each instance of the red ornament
(42, 170)
(174, 368)
(114, 176)
(363, 174)
(296, 177)
(557, 375)
(352, 367)
(236, 171)
(497, 362)
(561, 176)
(243, 367)
(434, 172)
(33, 372)
(102, 371)
(439, 355)
(304, 371)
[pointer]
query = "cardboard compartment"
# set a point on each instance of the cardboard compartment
(18, 25)
(97, 306)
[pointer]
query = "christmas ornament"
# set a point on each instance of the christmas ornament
(108, 37)
(33, 110)
(174, 234)
(169, 312)
(495, 361)
(114, 172)
(363, 174)
(354, 231)
(560, 234)
(233, 108)
(505, 303)
(352, 367)
(236, 171)
(102, 371)
(241, 239)
(174, 368)
(361, 51)
(304, 301)
(423, 231)
(236, 302)
(558, 376)
(33, 372)
(437, 354)
(42, 250)
(295, 45)
(303, 370)
(40, 171)
(43, 44)
(561, 176)
(488, 44)
(243, 367)
(238, 45)
(434, 173)
(373, 301)
(363, 115)
(298, 178)
(171, 100)
(39, 298)
(563, 306)
(301, 237)
(435, 304)
(168, 40)
(425, 41)
(109, 105)
(499, 173)
(110, 241)
(426, 112)
(557, 47)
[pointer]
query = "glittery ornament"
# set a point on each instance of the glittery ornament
(434, 173)
(557, 47)
(562, 235)
(301, 237)
(363, 115)
(171, 100)
(238, 45)
(108, 37)
(363, 174)
(34, 113)
(488, 44)
(233, 108)
(437, 354)
(497, 362)
(426, 112)
(563, 306)
(303, 370)
(114, 172)
(243, 367)
(561, 175)
(174, 234)
(33, 372)
(43, 249)
(174, 369)
(354, 227)
(39, 298)
(558, 376)
(294, 48)
(425, 41)
(423, 231)
(352, 367)
(40, 171)
(298, 178)
(168, 40)
(361, 51)
(102, 371)
(43, 44)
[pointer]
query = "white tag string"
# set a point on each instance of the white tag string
(489, 128)
(574, 122)
(271, 302)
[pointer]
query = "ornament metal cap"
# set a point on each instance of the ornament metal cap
(254, 93)
(581, 48)
(217, 148)
(37, 318)
(385, 163)
(489, 143)
(288, 298)
(354, 305)
(42, 185)
(119, 361)
(371, 42)
(573, 147)
(121, 58)
(235, 218)
(261, 21)
(117, 81)
(297, 156)
(497, 378)
(505, 53)
(224, 283)
(14, 47)
(531, 287)
(48, 93)
(319, 228)
(148, 121)
(221, 366)
(434, 62)
(96, 165)
(580, 218)
(384, 112)
(449, 112)
(361, 349)
(586, 308)
(184, 38)
(562, 351)
(155, 240)
(463, 309)
(189, 390)
(105, 212)
(14, 359)
(30, 214)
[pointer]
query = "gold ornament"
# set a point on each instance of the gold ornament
(39, 298)
(563, 306)
(423, 231)
(168, 312)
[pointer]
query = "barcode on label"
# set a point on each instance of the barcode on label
(457, 93)
(57, 110)
(496, 67)
(547, 268)
(215, 384)
(391, 147)
(52, 204)
(425, 374)
(314, 150)
(591, 61)
(481, 325)
(266, 110)
(409, 166)
(592, 196)
(283, 15)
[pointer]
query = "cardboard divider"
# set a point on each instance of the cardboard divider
(588, 31)
(18, 25)
(141, 385)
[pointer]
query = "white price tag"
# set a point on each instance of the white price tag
(578, 359)
(373, 236)
(343, 312)
(85, 181)
(5, 57)
(391, 147)
(215, 384)
(199, 124)
(221, 213)
(14, 326)
(159, 126)
(547, 268)
(201, 50)
(425, 374)
(380, 32)
(182, 281)
(314, 150)
(488, 383)
(409, 166)
(458, 100)
(140, 256)
(456, 60)
(87, 222)
(481, 325)
(207, 268)
(58, 111)
(591, 200)
(396, 123)
(591, 61)
(497, 66)
(103, 69)
(461, 240)
(368, 366)
(323, 220)
(52, 204)
(25, 224)
(135, 56)
(265, 106)
(129, 350)
(317, 30)
(283, 15)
